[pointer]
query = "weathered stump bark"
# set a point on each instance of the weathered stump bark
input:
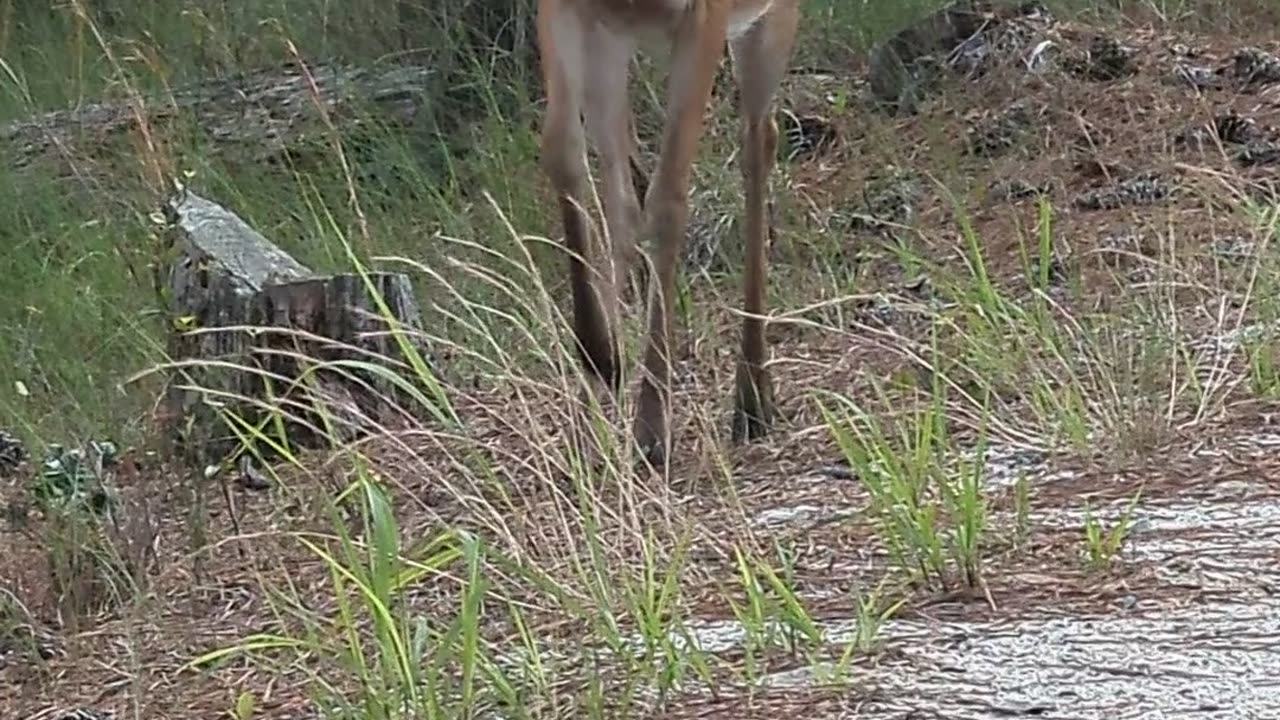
(259, 334)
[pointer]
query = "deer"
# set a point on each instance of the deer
(586, 49)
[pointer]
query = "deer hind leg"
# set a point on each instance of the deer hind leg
(760, 58)
(563, 39)
(697, 50)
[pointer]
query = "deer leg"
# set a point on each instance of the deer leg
(697, 50)
(760, 59)
(633, 289)
(563, 39)
(608, 120)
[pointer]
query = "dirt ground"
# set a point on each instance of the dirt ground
(1145, 150)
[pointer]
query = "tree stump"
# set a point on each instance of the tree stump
(263, 338)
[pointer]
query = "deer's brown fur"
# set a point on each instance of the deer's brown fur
(586, 47)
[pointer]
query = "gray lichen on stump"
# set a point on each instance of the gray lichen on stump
(258, 331)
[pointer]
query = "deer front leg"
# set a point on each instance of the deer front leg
(563, 39)
(607, 112)
(760, 59)
(697, 50)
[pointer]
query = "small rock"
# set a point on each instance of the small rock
(1197, 76)
(1233, 248)
(1145, 189)
(1258, 153)
(12, 453)
(1254, 67)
